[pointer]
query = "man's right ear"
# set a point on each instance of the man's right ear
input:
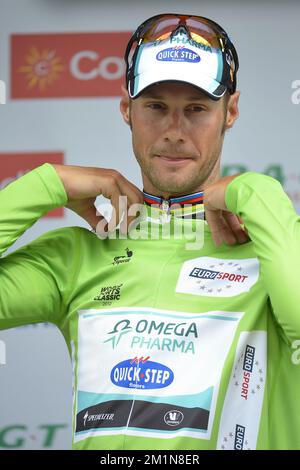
(124, 105)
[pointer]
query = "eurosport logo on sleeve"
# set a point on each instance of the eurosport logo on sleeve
(67, 64)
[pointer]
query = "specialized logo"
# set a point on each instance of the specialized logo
(173, 418)
(107, 294)
(141, 374)
(215, 277)
(98, 417)
(178, 54)
(123, 259)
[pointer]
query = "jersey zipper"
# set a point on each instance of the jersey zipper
(165, 208)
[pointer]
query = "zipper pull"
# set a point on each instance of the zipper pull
(165, 207)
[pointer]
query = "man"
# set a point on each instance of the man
(172, 347)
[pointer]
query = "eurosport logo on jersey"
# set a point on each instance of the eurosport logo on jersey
(239, 437)
(208, 274)
(67, 64)
(177, 54)
(247, 370)
(141, 374)
(217, 277)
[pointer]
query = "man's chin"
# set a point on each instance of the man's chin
(180, 186)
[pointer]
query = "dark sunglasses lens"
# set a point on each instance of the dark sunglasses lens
(160, 29)
(201, 30)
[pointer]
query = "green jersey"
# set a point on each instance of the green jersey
(172, 347)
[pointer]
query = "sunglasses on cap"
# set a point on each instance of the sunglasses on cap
(201, 31)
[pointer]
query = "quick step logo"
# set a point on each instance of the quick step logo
(178, 54)
(141, 374)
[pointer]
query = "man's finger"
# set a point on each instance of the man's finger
(220, 230)
(234, 223)
(91, 217)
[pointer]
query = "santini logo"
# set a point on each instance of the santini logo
(123, 259)
(141, 374)
(173, 54)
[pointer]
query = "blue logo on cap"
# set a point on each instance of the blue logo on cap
(174, 54)
(147, 375)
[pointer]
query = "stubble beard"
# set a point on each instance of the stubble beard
(180, 184)
(180, 181)
(177, 181)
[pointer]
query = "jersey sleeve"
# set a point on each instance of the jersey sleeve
(274, 228)
(35, 278)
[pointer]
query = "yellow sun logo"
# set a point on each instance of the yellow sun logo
(42, 68)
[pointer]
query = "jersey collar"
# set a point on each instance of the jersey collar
(188, 206)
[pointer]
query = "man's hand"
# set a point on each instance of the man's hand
(84, 184)
(224, 226)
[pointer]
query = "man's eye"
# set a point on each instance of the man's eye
(196, 109)
(155, 106)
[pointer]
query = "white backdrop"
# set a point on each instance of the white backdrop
(35, 383)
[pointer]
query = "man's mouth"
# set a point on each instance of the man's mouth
(173, 160)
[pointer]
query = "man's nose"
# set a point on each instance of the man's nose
(175, 127)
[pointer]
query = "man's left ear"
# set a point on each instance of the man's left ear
(232, 109)
(124, 105)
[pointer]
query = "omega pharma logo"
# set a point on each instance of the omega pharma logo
(154, 335)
